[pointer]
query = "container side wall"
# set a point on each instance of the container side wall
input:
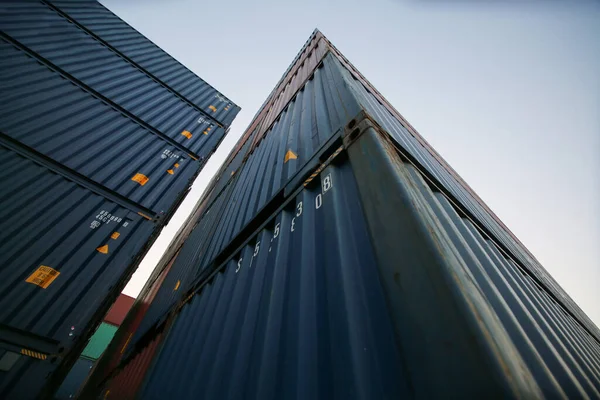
(125, 39)
(76, 377)
(99, 341)
(426, 159)
(80, 57)
(119, 310)
(298, 312)
(56, 118)
(64, 250)
(451, 289)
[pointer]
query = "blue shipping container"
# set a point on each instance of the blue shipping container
(346, 259)
(101, 135)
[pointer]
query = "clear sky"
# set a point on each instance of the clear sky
(508, 94)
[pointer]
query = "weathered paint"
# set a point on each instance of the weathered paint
(306, 126)
(471, 316)
(447, 283)
(297, 312)
(426, 157)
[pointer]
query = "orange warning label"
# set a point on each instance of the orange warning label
(170, 171)
(176, 165)
(103, 249)
(290, 155)
(140, 178)
(115, 235)
(43, 276)
(213, 108)
(177, 285)
(205, 132)
(187, 134)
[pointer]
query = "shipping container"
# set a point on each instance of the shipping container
(98, 149)
(337, 255)
(119, 310)
(54, 117)
(373, 292)
(76, 377)
(66, 252)
(99, 341)
(107, 365)
(114, 33)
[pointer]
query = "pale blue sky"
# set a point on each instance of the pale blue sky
(509, 94)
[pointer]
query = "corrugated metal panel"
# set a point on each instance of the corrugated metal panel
(79, 56)
(469, 321)
(182, 273)
(74, 379)
(298, 313)
(116, 350)
(424, 157)
(99, 341)
(115, 32)
(98, 151)
(49, 221)
(55, 117)
(408, 266)
(119, 310)
(317, 112)
(126, 382)
(452, 270)
(305, 126)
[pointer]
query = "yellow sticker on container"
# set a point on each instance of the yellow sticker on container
(176, 165)
(115, 235)
(290, 155)
(213, 108)
(177, 285)
(209, 128)
(140, 178)
(170, 171)
(205, 132)
(187, 134)
(103, 249)
(43, 276)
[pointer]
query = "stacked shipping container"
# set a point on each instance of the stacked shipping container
(94, 348)
(337, 255)
(101, 135)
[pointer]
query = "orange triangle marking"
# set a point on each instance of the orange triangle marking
(290, 155)
(170, 171)
(103, 249)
